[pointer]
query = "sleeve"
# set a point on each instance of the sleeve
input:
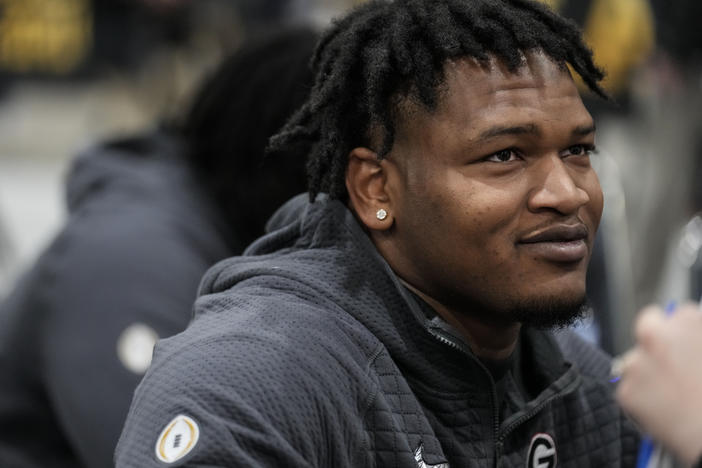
(215, 405)
(110, 284)
(254, 398)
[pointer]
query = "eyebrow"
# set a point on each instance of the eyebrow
(516, 130)
(581, 130)
(584, 130)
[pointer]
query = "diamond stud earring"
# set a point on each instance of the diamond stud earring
(381, 214)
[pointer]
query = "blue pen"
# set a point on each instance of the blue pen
(645, 452)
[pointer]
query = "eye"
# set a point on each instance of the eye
(580, 150)
(505, 155)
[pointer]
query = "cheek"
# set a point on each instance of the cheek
(492, 214)
(483, 224)
(460, 211)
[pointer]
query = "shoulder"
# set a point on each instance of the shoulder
(275, 321)
(269, 368)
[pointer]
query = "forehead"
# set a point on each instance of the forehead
(475, 90)
(477, 95)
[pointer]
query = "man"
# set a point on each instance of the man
(148, 216)
(396, 321)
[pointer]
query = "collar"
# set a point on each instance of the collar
(422, 345)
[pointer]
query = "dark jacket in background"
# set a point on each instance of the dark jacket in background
(308, 352)
(139, 235)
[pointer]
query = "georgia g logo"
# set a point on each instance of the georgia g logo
(542, 452)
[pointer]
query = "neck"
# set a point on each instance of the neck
(495, 341)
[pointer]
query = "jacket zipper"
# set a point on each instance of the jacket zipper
(525, 417)
(536, 409)
(493, 391)
(499, 438)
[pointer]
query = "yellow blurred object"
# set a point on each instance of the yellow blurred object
(621, 34)
(45, 36)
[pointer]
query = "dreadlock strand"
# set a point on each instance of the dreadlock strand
(401, 54)
(344, 60)
(385, 52)
(443, 31)
(514, 26)
(377, 71)
(339, 26)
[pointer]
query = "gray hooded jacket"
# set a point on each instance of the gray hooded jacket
(308, 351)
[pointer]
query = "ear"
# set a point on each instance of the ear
(366, 183)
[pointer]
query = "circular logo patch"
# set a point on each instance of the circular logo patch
(177, 439)
(542, 452)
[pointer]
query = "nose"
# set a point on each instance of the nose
(556, 189)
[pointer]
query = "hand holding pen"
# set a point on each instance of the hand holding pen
(661, 378)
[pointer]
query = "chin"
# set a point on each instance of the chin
(557, 311)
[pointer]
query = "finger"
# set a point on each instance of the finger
(648, 323)
(626, 389)
(688, 311)
(620, 363)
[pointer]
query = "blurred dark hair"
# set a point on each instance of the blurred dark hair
(248, 99)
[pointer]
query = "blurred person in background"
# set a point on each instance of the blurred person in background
(80, 71)
(147, 216)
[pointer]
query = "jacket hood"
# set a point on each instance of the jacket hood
(322, 245)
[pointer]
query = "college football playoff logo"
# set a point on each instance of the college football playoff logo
(542, 452)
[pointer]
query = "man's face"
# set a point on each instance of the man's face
(494, 200)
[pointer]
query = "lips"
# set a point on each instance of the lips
(559, 243)
(558, 233)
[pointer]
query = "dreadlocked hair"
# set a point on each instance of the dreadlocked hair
(385, 51)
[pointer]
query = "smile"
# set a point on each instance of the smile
(562, 244)
(562, 252)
